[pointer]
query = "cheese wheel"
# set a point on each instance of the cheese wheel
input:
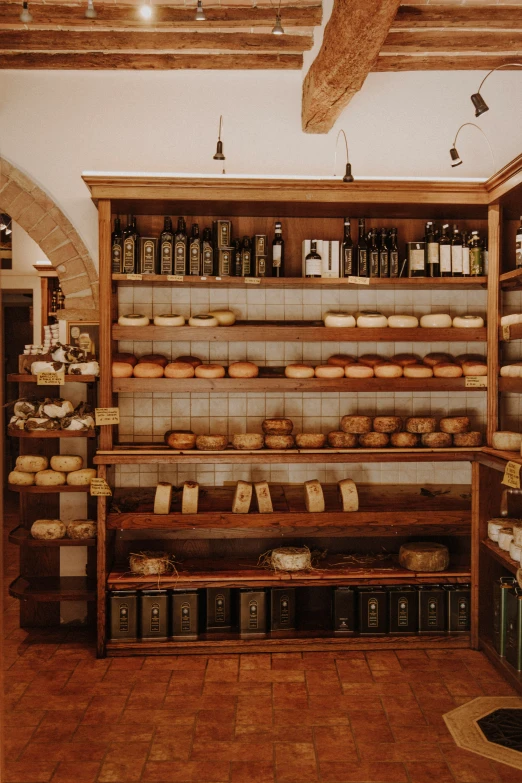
(402, 321)
(150, 563)
(329, 371)
(468, 322)
(358, 371)
(339, 320)
(470, 357)
(155, 358)
(404, 359)
(310, 440)
(133, 319)
(374, 440)
(436, 440)
(421, 424)
(279, 441)
(453, 424)
(515, 552)
(517, 531)
(314, 498)
(387, 424)
(242, 498)
(29, 463)
(243, 370)
(223, 317)
(209, 371)
(342, 440)
(348, 495)
(424, 556)
(494, 528)
(445, 370)
(20, 478)
(250, 441)
(81, 478)
(505, 537)
(475, 368)
(193, 360)
(431, 359)
(190, 497)
(291, 559)
(512, 318)
(436, 321)
(48, 529)
(179, 370)
(507, 441)
(81, 529)
(129, 358)
(464, 440)
(387, 370)
(169, 319)
(358, 425)
(66, 462)
(371, 359)
(181, 440)
(148, 370)
(122, 370)
(511, 370)
(212, 442)
(372, 321)
(163, 498)
(341, 360)
(263, 499)
(277, 426)
(299, 371)
(404, 440)
(50, 478)
(418, 371)
(205, 319)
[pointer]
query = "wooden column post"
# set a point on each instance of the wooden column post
(493, 316)
(104, 210)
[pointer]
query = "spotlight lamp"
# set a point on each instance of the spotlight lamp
(90, 11)
(219, 147)
(8, 228)
(348, 176)
(278, 29)
(25, 15)
(477, 100)
(200, 14)
(456, 160)
(146, 10)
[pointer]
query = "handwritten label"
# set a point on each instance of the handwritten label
(217, 278)
(134, 277)
(99, 488)
(358, 280)
(253, 280)
(476, 382)
(202, 278)
(512, 475)
(175, 278)
(50, 379)
(506, 333)
(107, 415)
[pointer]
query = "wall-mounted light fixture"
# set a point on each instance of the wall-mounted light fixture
(146, 10)
(219, 146)
(456, 160)
(90, 11)
(348, 177)
(25, 15)
(477, 100)
(200, 14)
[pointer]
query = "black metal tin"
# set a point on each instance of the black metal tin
(373, 610)
(432, 609)
(403, 617)
(222, 233)
(343, 610)
(218, 615)
(500, 591)
(282, 609)
(514, 628)
(252, 612)
(154, 614)
(184, 614)
(148, 255)
(459, 608)
(123, 612)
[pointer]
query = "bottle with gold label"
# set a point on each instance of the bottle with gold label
(476, 258)
(207, 253)
(278, 252)
(131, 240)
(238, 258)
(117, 248)
(166, 248)
(246, 257)
(195, 251)
(180, 248)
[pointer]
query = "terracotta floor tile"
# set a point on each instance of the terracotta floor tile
(104, 709)
(370, 727)
(28, 771)
(310, 717)
(346, 702)
(383, 660)
(64, 751)
(282, 664)
(255, 661)
(107, 733)
(334, 743)
(191, 772)
(271, 675)
(469, 767)
(250, 772)
(284, 733)
(323, 682)
(421, 734)
(295, 762)
(190, 663)
(76, 772)
(463, 687)
(507, 774)
(23, 717)
(128, 771)
(358, 689)
(170, 751)
(238, 750)
(400, 751)
(431, 772)
(365, 772)
(117, 664)
(319, 660)
(216, 716)
(254, 714)
(123, 751)
(406, 717)
(156, 717)
(216, 688)
(210, 732)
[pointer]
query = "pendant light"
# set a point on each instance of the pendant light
(477, 100)
(146, 10)
(200, 14)
(277, 29)
(25, 15)
(90, 11)
(219, 147)
(456, 160)
(348, 177)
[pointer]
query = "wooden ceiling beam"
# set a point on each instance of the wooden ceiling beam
(453, 42)
(150, 62)
(352, 41)
(458, 16)
(440, 62)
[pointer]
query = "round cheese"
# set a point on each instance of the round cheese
(374, 440)
(511, 370)
(348, 495)
(125, 357)
(358, 371)
(513, 318)
(310, 440)
(463, 440)
(494, 528)
(474, 368)
(357, 425)
(179, 370)
(453, 424)
(339, 320)
(204, 319)
(444, 370)
(279, 441)
(515, 552)
(190, 497)
(507, 441)
(341, 360)
(50, 478)
(181, 440)
(329, 371)
(209, 371)
(277, 426)
(81, 529)
(155, 358)
(387, 424)
(424, 556)
(291, 559)
(148, 370)
(150, 563)
(66, 462)
(223, 317)
(169, 319)
(342, 440)
(31, 463)
(249, 441)
(421, 424)
(436, 321)
(122, 370)
(163, 498)
(436, 440)
(418, 371)
(387, 370)
(193, 360)
(402, 321)
(505, 537)
(372, 321)
(299, 371)
(243, 370)
(517, 531)
(263, 499)
(468, 322)
(48, 529)
(81, 478)
(470, 357)
(371, 359)
(133, 319)
(242, 498)
(20, 478)
(431, 359)
(211, 442)
(314, 498)
(404, 440)
(404, 359)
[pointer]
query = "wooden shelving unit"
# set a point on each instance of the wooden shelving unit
(502, 557)
(51, 589)
(28, 378)
(22, 537)
(34, 490)
(39, 434)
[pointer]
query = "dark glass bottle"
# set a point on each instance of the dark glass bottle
(117, 247)
(362, 251)
(384, 255)
(465, 255)
(485, 254)
(373, 253)
(238, 258)
(131, 239)
(278, 252)
(246, 257)
(195, 251)
(180, 248)
(432, 251)
(313, 261)
(518, 246)
(54, 303)
(476, 257)
(207, 253)
(445, 252)
(456, 253)
(393, 247)
(347, 257)
(60, 298)
(166, 248)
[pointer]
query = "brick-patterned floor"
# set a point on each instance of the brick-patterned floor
(285, 718)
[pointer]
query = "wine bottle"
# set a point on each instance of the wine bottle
(373, 254)
(456, 253)
(445, 252)
(476, 259)
(130, 247)
(393, 247)
(362, 251)
(347, 259)
(432, 251)
(117, 247)
(278, 252)
(465, 255)
(207, 253)
(180, 248)
(485, 254)
(313, 261)
(238, 259)
(518, 246)
(166, 247)
(246, 257)
(384, 255)
(195, 251)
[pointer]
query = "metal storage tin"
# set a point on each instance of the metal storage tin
(123, 610)
(403, 609)
(459, 608)
(184, 614)
(432, 609)
(154, 614)
(252, 612)
(148, 255)
(218, 614)
(344, 610)
(500, 592)
(373, 610)
(282, 609)
(514, 628)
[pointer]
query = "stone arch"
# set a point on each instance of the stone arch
(38, 214)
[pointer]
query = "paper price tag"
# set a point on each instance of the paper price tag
(217, 278)
(107, 415)
(134, 277)
(476, 381)
(506, 333)
(50, 379)
(512, 475)
(175, 278)
(358, 280)
(253, 280)
(99, 488)
(202, 278)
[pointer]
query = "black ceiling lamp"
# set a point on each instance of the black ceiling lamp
(456, 160)
(219, 147)
(348, 176)
(481, 107)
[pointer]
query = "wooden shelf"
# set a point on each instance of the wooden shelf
(499, 555)
(53, 588)
(22, 537)
(438, 283)
(295, 331)
(513, 385)
(512, 279)
(513, 676)
(511, 332)
(34, 490)
(13, 433)
(28, 378)
(384, 510)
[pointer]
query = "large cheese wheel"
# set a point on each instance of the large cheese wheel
(314, 498)
(507, 441)
(436, 321)
(402, 321)
(163, 498)
(512, 318)
(329, 371)
(404, 359)
(48, 529)
(374, 440)
(193, 360)
(453, 424)
(358, 425)
(464, 440)
(387, 370)
(291, 559)
(169, 319)
(81, 529)
(277, 426)
(211, 442)
(511, 370)
(494, 528)
(387, 424)
(515, 552)
(263, 499)
(299, 371)
(474, 368)
(20, 478)
(424, 556)
(342, 440)
(431, 359)
(243, 370)
(223, 317)
(209, 371)
(372, 321)
(205, 319)
(445, 370)
(371, 359)
(154, 358)
(348, 495)
(279, 441)
(505, 537)
(341, 360)
(32, 463)
(468, 322)
(133, 319)
(148, 370)
(50, 478)
(150, 563)
(310, 440)
(517, 530)
(125, 357)
(404, 440)
(181, 440)
(248, 440)
(179, 370)
(436, 440)
(358, 371)
(122, 370)
(81, 478)
(242, 498)
(421, 424)
(470, 357)
(190, 497)
(339, 320)
(418, 371)
(66, 462)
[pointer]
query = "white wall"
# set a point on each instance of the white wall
(55, 124)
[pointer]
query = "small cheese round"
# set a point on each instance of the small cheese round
(263, 498)
(387, 370)
(475, 368)
(348, 496)
(339, 320)
(468, 322)
(29, 463)
(314, 498)
(279, 441)
(299, 371)
(402, 321)
(374, 440)
(447, 370)
(467, 439)
(329, 371)
(277, 426)
(404, 440)
(431, 359)
(125, 357)
(341, 360)
(513, 318)
(371, 359)
(470, 357)
(404, 359)
(358, 371)
(193, 360)
(387, 424)
(223, 317)
(372, 321)
(424, 556)
(81, 478)
(133, 319)
(181, 440)
(122, 369)
(150, 563)
(209, 371)
(179, 370)
(358, 425)
(190, 497)
(511, 370)
(212, 442)
(494, 528)
(436, 321)
(242, 497)
(291, 559)
(453, 424)
(342, 440)
(163, 498)
(421, 424)
(418, 371)
(169, 319)
(155, 358)
(20, 478)
(48, 529)
(249, 441)
(205, 319)
(515, 552)
(50, 478)
(505, 537)
(507, 441)
(66, 462)
(436, 440)
(310, 440)
(243, 370)
(517, 531)
(81, 529)
(148, 370)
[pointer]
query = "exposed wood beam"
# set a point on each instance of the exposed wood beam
(458, 16)
(153, 62)
(453, 42)
(449, 62)
(352, 40)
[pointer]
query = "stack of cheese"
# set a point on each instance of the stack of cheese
(210, 319)
(382, 431)
(313, 496)
(506, 533)
(368, 319)
(68, 359)
(438, 365)
(50, 414)
(513, 370)
(66, 469)
(125, 365)
(49, 529)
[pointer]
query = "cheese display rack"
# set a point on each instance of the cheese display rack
(308, 207)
